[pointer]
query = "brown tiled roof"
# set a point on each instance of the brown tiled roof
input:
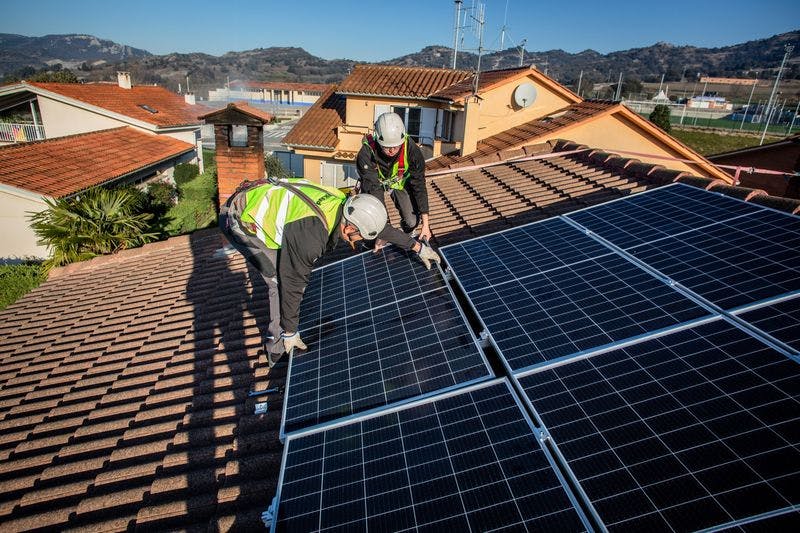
(321, 87)
(317, 128)
(406, 82)
(242, 107)
(538, 130)
(172, 108)
(124, 395)
(65, 165)
(124, 380)
(490, 79)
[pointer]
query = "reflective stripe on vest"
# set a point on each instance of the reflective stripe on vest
(271, 207)
(397, 179)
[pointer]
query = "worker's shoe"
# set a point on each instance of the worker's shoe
(292, 341)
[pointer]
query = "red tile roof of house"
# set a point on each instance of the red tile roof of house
(316, 87)
(317, 128)
(65, 165)
(243, 107)
(406, 82)
(124, 380)
(172, 108)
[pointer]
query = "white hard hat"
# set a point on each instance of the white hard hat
(366, 213)
(390, 130)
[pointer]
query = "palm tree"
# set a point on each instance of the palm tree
(98, 221)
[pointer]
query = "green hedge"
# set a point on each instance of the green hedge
(18, 280)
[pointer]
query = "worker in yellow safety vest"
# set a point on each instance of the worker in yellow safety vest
(283, 226)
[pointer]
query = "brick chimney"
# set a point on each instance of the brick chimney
(239, 138)
(124, 79)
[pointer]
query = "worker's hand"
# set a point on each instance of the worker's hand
(425, 233)
(292, 340)
(380, 244)
(427, 255)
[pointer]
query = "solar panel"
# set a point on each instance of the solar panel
(363, 282)
(780, 319)
(742, 261)
(576, 308)
(388, 354)
(469, 461)
(519, 252)
(696, 429)
(659, 213)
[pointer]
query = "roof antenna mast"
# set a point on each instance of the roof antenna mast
(480, 20)
(456, 29)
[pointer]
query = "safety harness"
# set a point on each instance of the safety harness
(399, 175)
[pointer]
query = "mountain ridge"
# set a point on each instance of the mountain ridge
(96, 59)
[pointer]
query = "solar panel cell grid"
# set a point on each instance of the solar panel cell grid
(388, 354)
(465, 462)
(520, 252)
(659, 213)
(363, 282)
(691, 430)
(576, 308)
(740, 262)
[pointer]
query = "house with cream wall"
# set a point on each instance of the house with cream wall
(454, 115)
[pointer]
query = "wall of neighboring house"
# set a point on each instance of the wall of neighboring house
(19, 240)
(62, 119)
(613, 133)
(361, 113)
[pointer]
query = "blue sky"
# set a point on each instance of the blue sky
(378, 30)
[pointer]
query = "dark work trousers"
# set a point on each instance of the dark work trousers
(264, 259)
(408, 211)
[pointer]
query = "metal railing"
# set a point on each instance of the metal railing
(16, 133)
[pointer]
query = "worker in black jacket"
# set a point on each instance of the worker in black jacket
(390, 161)
(283, 227)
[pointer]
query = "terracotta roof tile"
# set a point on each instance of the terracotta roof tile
(65, 165)
(172, 109)
(486, 80)
(407, 82)
(317, 127)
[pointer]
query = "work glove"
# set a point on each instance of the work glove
(427, 255)
(292, 341)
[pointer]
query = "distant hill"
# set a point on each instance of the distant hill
(19, 51)
(96, 59)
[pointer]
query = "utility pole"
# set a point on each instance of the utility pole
(755, 82)
(618, 94)
(789, 49)
(580, 80)
(456, 29)
(662, 82)
(794, 117)
(522, 51)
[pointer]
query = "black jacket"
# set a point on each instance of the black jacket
(368, 162)
(304, 241)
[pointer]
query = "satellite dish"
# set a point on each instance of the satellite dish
(524, 94)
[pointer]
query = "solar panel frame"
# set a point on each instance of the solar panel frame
(443, 294)
(598, 396)
(504, 386)
(777, 319)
